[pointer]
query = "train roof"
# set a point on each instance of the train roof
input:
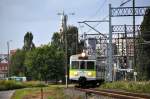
(78, 57)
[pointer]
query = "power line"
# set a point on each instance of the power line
(99, 9)
(97, 24)
(124, 2)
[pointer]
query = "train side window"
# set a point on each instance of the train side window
(90, 65)
(75, 64)
(82, 65)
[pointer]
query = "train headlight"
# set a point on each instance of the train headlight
(83, 54)
(76, 73)
(89, 73)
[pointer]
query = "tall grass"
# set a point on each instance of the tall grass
(129, 86)
(34, 84)
(50, 92)
(10, 84)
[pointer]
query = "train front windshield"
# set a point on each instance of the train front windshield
(75, 64)
(83, 65)
(90, 65)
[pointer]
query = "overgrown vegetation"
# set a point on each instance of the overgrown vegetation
(46, 62)
(143, 87)
(20, 93)
(51, 92)
(143, 49)
(9, 85)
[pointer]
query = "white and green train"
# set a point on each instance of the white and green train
(86, 69)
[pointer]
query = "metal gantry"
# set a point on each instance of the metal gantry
(124, 38)
(128, 11)
(120, 42)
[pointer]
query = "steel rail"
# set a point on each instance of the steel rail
(145, 96)
(114, 94)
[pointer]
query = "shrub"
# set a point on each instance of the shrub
(10, 84)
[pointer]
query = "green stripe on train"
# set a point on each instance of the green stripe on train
(88, 73)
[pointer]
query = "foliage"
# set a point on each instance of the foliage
(17, 60)
(45, 63)
(56, 41)
(145, 26)
(72, 40)
(19, 94)
(51, 92)
(17, 63)
(30, 84)
(143, 56)
(128, 86)
(9, 85)
(42, 63)
(28, 43)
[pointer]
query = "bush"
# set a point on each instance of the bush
(10, 84)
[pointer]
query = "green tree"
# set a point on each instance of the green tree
(17, 60)
(45, 63)
(28, 41)
(72, 40)
(17, 67)
(145, 26)
(56, 41)
(143, 55)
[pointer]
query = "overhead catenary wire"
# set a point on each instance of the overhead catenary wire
(124, 2)
(97, 24)
(99, 9)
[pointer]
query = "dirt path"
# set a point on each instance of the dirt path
(6, 94)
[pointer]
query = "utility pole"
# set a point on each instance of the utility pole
(64, 30)
(134, 38)
(8, 46)
(110, 60)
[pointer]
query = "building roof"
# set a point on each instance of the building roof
(3, 64)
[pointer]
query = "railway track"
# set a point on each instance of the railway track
(114, 94)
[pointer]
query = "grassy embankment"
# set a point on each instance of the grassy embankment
(51, 92)
(57, 91)
(9, 85)
(142, 87)
(32, 90)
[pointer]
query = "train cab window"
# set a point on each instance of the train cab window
(82, 65)
(75, 64)
(90, 65)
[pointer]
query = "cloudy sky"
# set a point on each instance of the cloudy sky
(40, 17)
